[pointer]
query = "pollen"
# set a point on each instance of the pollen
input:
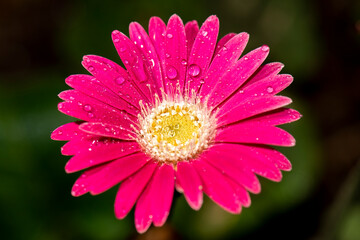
(175, 131)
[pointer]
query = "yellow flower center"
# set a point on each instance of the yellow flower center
(175, 131)
(175, 126)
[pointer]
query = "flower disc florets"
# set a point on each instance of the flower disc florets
(175, 130)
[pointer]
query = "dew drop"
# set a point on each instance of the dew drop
(122, 49)
(152, 62)
(265, 48)
(91, 68)
(171, 73)
(169, 35)
(167, 55)
(116, 40)
(204, 33)
(184, 62)
(270, 89)
(87, 108)
(119, 80)
(90, 115)
(194, 70)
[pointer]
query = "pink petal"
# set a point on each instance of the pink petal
(269, 86)
(217, 187)
(223, 61)
(108, 130)
(202, 52)
(134, 63)
(143, 211)
(275, 117)
(131, 188)
(258, 164)
(155, 201)
(113, 77)
(142, 40)
(273, 156)
(94, 88)
(175, 54)
(98, 152)
(157, 32)
(162, 191)
(266, 155)
(241, 193)
(222, 42)
(266, 71)
(79, 188)
(237, 75)
(234, 111)
(81, 106)
(109, 174)
(246, 158)
(67, 132)
(191, 30)
(72, 147)
(190, 183)
(254, 133)
(224, 159)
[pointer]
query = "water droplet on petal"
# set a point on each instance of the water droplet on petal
(270, 89)
(184, 62)
(116, 40)
(87, 108)
(91, 68)
(194, 70)
(167, 55)
(152, 62)
(119, 80)
(204, 33)
(171, 73)
(90, 115)
(169, 35)
(265, 48)
(122, 49)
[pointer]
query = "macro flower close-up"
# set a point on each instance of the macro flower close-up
(185, 112)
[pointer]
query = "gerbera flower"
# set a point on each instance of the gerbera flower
(186, 112)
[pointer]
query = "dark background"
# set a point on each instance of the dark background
(42, 42)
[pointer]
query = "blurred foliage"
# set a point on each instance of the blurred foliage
(42, 42)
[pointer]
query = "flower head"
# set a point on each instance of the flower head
(186, 112)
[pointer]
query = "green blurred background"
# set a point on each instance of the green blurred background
(43, 41)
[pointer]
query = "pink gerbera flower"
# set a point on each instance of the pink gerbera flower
(184, 113)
